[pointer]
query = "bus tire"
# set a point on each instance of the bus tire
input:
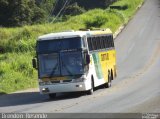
(112, 77)
(90, 92)
(52, 95)
(109, 83)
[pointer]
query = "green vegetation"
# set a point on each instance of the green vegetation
(16, 72)
(85, 4)
(24, 12)
(17, 45)
(73, 10)
(130, 5)
(28, 12)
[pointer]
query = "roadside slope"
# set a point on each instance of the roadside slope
(17, 45)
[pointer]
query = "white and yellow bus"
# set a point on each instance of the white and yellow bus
(75, 61)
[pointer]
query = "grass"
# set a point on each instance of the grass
(16, 72)
(132, 6)
(17, 45)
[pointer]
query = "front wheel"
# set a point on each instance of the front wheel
(52, 95)
(109, 83)
(90, 92)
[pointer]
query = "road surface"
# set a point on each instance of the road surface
(137, 87)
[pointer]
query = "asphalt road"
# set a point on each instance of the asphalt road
(137, 87)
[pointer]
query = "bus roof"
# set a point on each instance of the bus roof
(101, 32)
(71, 34)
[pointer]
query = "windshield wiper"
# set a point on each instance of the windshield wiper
(67, 68)
(53, 70)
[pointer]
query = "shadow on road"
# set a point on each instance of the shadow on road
(20, 99)
(26, 98)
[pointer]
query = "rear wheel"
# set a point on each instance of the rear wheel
(109, 83)
(112, 77)
(52, 95)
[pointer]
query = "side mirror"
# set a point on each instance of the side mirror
(88, 60)
(34, 63)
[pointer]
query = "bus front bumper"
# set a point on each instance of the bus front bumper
(65, 87)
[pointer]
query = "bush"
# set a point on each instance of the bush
(74, 9)
(97, 21)
(124, 7)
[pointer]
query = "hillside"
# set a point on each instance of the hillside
(29, 12)
(17, 45)
(86, 5)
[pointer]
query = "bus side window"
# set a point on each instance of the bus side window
(89, 43)
(94, 43)
(104, 41)
(101, 42)
(104, 44)
(112, 41)
(98, 43)
(107, 42)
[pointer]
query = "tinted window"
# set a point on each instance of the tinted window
(112, 41)
(47, 46)
(49, 65)
(94, 43)
(100, 42)
(71, 63)
(90, 43)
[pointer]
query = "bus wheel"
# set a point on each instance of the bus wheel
(109, 83)
(112, 77)
(90, 92)
(52, 95)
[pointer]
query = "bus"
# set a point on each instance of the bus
(74, 61)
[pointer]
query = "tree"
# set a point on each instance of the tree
(86, 4)
(20, 12)
(73, 9)
(3, 12)
(46, 5)
(39, 15)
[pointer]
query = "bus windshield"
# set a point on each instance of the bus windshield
(60, 64)
(60, 57)
(49, 65)
(48, 46)
(71, 63)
